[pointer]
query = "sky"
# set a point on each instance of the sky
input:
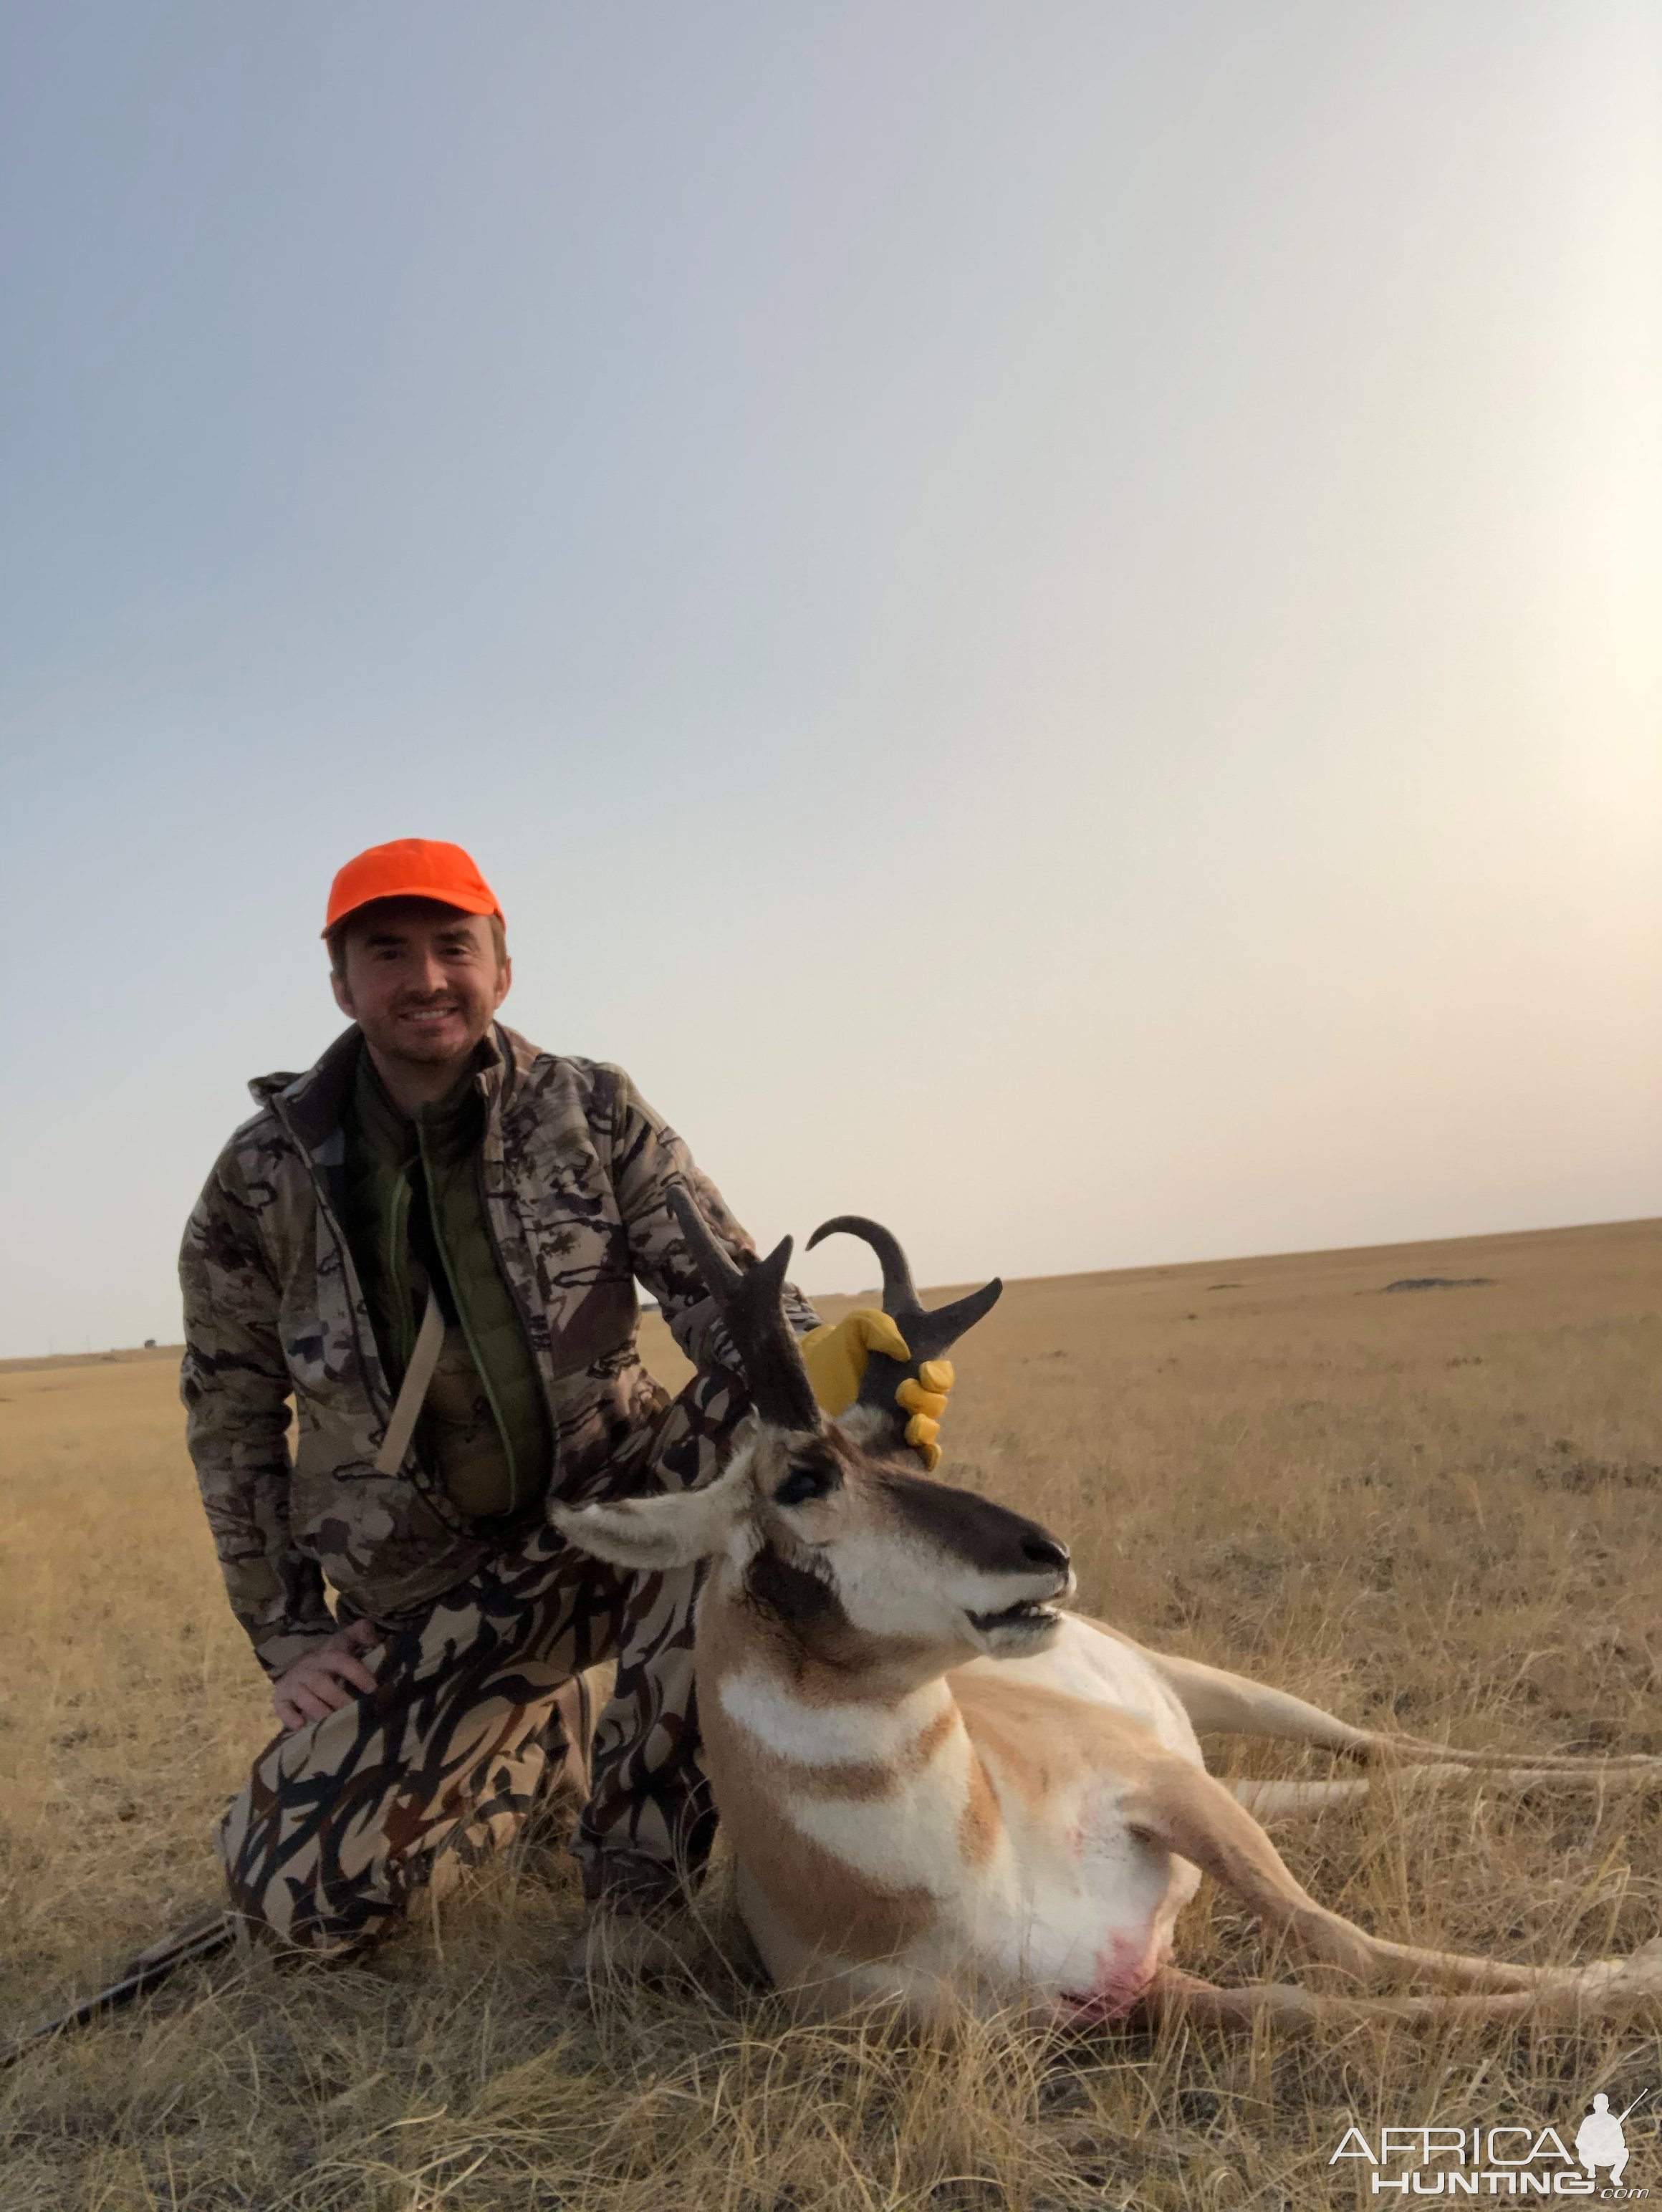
(1044, 616)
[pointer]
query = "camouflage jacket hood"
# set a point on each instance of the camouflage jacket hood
(577, 1169)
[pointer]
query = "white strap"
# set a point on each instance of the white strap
(429, 1341)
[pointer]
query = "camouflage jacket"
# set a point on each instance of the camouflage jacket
(577, 1169)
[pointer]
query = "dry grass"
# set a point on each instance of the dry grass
(1443, 1508)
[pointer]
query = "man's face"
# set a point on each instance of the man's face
(420, 980)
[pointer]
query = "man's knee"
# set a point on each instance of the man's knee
(306, 1867)
(287, 1895)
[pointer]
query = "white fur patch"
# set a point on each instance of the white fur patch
(905, 1841)
(828, 1736)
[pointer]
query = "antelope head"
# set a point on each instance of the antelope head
(819, 1530)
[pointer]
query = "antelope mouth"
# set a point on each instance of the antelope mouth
(1030, 1612)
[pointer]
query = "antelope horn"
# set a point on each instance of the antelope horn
(900, 1292)
(930, 1332)
(750, 1300)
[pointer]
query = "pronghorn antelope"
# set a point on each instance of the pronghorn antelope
(940, 1784)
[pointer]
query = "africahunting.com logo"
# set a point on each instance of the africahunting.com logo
(1500, 2161)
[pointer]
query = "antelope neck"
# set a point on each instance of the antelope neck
(856, 1732)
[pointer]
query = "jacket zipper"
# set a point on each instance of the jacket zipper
(468, 1337)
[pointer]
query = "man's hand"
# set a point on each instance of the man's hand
(836, 1354)
(326, 1678)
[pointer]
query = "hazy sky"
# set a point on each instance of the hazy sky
(1044, 615)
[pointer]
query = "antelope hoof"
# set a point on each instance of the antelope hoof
(1639, 1975)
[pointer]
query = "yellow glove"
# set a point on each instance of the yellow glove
(835, 1355)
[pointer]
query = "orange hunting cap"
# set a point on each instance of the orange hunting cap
(410, 867)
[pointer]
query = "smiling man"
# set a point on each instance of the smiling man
(430, 1242)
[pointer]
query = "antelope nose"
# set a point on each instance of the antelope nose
(1046, 1551)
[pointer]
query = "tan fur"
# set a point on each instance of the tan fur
(1038, 1737)
(980, 1821)
(830, 1910)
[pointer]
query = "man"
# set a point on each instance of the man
(430, 1242)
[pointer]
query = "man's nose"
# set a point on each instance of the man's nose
(428, 973)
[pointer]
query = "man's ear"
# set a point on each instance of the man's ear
(343, 996)
(504, 977)
(651, 1535)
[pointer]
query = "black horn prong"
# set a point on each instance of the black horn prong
(930, 1332)
(751, 1301)
(941, 1327)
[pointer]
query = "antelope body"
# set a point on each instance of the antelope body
(974, 1834)
(939, 1785)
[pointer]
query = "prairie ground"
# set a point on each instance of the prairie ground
(1439, 1507)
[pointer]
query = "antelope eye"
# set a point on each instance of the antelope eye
(804, 1483)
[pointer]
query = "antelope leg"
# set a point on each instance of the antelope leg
(1192, 1814)
(1174, 1996)
(1219, 1703)
(1279, 1800)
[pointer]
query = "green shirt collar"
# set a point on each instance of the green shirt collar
(445, 1131)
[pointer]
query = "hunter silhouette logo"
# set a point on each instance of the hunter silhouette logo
(1507, 2161)
(1600, 2139)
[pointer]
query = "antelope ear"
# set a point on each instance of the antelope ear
(652, 1535)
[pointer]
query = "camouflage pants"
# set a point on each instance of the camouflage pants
(476, 1713)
